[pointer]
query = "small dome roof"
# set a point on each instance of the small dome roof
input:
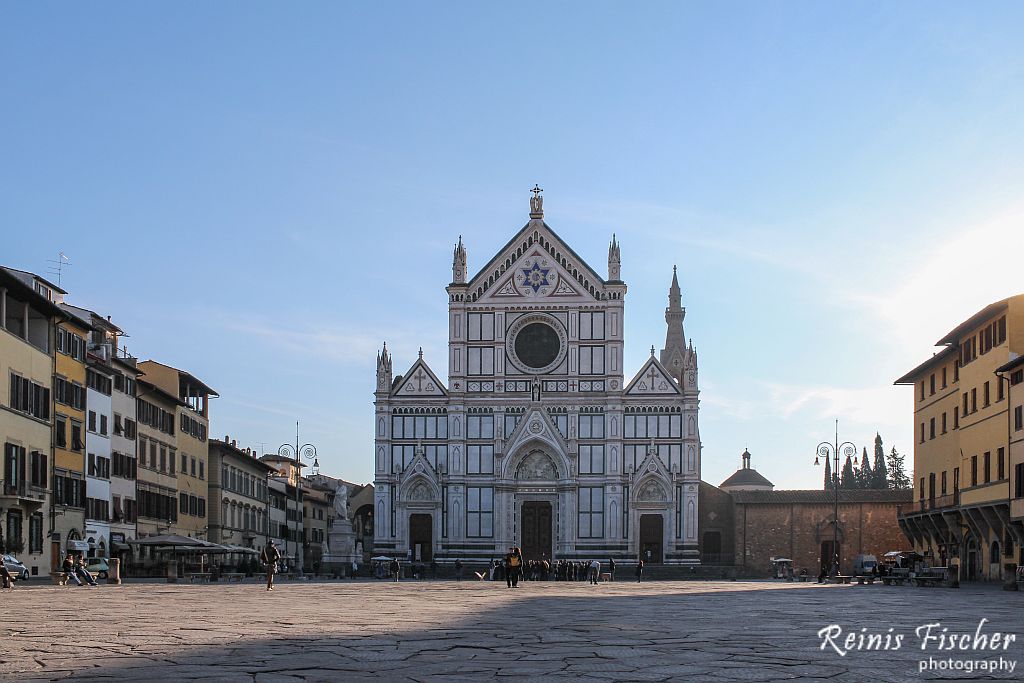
(746, 477)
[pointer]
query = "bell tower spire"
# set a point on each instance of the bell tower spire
(459, 264)
(674, 355)
(614, 261)
(384, 369)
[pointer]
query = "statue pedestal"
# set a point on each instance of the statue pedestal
(341, 549)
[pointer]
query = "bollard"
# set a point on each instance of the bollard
(114, 572)
(172, 572)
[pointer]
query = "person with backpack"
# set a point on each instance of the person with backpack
(513, 567)
(270, 557)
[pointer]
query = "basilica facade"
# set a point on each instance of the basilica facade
(539, 438)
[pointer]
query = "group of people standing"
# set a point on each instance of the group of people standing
(513, 568)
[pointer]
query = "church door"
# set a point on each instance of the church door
(536, 530)
(651, 534)
(421, 537)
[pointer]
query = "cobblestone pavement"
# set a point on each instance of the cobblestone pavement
(717, 631)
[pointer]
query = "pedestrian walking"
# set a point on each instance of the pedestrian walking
(270, 557)
(458, 570)
(639, 570)
(595, 571)
(513, 567)
(611, 568)
(396, 569)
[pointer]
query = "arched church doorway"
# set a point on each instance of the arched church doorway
(535, 536)
(829, 554)
(651, 535)
(421, 537)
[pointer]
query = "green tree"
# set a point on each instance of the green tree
(881, 478)
(898, 478)
(849, 478)
(866, 478)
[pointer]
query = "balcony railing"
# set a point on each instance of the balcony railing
(15, 488)
(928, 504)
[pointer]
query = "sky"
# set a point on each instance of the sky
(263, 193)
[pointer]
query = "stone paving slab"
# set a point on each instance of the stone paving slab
(472, 631)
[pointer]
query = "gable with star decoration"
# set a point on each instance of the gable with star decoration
(420, 381)
(653, 380)
(536, 264)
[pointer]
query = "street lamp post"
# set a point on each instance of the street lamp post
(831, 450)
(307, 451)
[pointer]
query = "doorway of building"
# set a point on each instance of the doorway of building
(828, 555)
(972, 560)
(711, 548)
(535, 536)
(651, 530)
(421, 537)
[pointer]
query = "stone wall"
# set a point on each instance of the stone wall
(795, 524)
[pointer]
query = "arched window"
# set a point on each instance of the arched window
(993, 551)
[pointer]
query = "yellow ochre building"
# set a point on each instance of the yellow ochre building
(963, 426)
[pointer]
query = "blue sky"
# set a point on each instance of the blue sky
(263, 193)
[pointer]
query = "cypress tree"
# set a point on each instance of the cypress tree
(828, 473)
(881, 479)
(866, 475)
(849, 479)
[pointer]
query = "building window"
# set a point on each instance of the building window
(481, 326)
(37, 474)
(591, 426)
(591, 325)
(943, 483)
(76, 436)
(944, 383)
(931, 384)
(1000, 391)
(922, 432)
(479, 459)
(922, 390)
(1018, 486)
(986, 395)
(1018, 418)
(479, 512)
(60, 432)
(35, 533)
(481, 360)
(14, 530)
(956, 419)
(974, 400)
(988, 466)
(591, 458)
(591, 512)
(1001, 464)
(30, 398)
(931, 428)
(974, 470)
(591, 360)
(943, 423)
(480, 427)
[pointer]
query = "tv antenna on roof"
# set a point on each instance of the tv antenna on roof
(58, 265)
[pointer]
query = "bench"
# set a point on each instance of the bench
(927, 580)
(233, 576)
(861, 580)
(57, 578)
(197, 576)
(802, 577)
(839, 578)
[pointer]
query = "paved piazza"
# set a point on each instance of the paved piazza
(729, 631)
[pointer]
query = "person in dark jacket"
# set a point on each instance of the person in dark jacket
(513, 567)
(611, 568)
(270, 557)
(639, 570)
(396, 569)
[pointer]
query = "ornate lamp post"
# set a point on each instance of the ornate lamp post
(831, 450)
(307, 451)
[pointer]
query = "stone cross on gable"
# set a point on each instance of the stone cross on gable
(419, 377)
(653, 373)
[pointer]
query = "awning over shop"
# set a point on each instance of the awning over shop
(120, 547)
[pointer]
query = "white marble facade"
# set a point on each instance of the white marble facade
(538, 439)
